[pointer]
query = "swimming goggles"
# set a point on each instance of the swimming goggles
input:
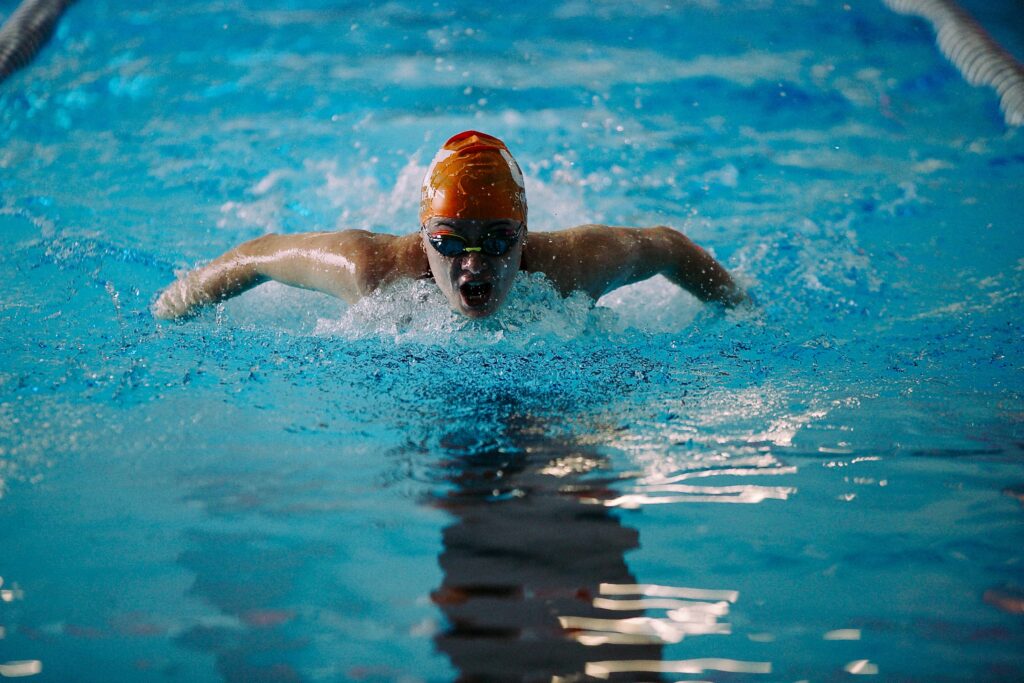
(449, 243)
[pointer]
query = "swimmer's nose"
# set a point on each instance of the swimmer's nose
(473, 262)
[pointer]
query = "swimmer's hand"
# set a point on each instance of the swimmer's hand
(182, 299)
(734, 296)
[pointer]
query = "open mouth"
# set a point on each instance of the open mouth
(475, 294)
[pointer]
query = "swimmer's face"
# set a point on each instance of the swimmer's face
(474, 262)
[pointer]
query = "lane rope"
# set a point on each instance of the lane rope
(26, 31)
(978, 57)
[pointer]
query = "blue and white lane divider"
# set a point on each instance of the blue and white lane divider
(26, 31)
(970, 48)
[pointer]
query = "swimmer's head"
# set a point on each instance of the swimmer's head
(473, 215)
(473, 176)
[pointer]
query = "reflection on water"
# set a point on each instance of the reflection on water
(661, 488)
(536, 585)
(687, 666)
(688, 613)
(525, 560)
(251, 575)
(534, 581)
(19, 669)
(14, 668)
(250, 582)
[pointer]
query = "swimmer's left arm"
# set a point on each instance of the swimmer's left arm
(598, 259)
(677, 257)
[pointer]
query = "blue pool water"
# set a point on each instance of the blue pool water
(290, 489)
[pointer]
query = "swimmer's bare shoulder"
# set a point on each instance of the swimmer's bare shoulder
(597, 259)
(347, 264)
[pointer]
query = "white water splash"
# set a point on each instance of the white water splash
(534, 314)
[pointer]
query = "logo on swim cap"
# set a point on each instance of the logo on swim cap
(473, 176)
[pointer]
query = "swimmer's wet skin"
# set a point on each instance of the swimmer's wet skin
(473, 239)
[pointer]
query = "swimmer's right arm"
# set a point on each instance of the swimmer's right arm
(345, 264)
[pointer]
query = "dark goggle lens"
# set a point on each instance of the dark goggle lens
(497, 245)
(448, 245)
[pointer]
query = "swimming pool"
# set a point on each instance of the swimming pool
(288, 488)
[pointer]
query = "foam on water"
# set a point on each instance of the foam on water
(534, 314)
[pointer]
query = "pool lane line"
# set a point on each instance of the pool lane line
(26, 31)
(978, 57)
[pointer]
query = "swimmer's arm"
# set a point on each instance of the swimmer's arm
(685, 263)
(344, 264)
(598, 259)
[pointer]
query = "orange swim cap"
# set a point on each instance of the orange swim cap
(473, 176)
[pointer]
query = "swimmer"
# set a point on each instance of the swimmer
(472, 241)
